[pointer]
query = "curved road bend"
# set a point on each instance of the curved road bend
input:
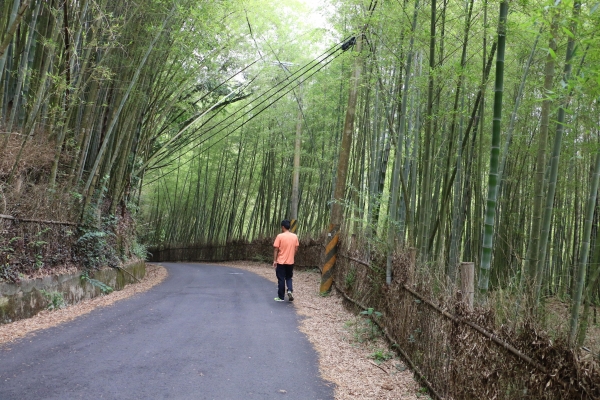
(206, 332)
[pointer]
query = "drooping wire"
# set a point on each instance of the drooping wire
(265, 99)
(306, 68)
(166, 152)
(290, 80)
(236, 128)
(175, 118)
(301, 71)
(263, 109)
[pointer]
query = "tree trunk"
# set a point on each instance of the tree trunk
(540, 169)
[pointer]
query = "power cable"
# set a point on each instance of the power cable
(291, 78)
(288, 81)
(239, 126)
(166, 151)
(206, 95)
(273, 102)
(291, 82)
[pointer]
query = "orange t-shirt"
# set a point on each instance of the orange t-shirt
(287, 243)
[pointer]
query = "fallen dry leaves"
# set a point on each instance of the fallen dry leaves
(342, 360)
(46, 319)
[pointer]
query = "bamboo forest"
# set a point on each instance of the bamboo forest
(404, 139)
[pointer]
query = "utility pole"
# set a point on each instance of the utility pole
(337, 209)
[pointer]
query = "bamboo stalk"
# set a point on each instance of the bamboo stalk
(393, 212)
(484, 269)
(12, 28)
(585, 250)
(556, 150)
(100, 155)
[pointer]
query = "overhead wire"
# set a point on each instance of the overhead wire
(206, 95)
(322, 60)
(300, 72)
(289, 82)
(167, 151)
(289, 79)
(263, 109)
(267, 98)
(239, 126)
(286, 82)
(234, 129)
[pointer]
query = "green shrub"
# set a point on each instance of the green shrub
(139, 250)
(372, 314)
(94, 251)
(96, 283)
(350, 277)
(55, 300)
(9, 273)
(380, 355)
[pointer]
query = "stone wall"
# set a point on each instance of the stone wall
(25, 299)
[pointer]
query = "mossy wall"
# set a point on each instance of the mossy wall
(25, 299)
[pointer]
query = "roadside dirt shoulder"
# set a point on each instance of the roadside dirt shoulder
(359, 364)
(46, 319)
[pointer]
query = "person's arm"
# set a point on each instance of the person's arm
(276, 245)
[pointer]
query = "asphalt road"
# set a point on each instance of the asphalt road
(206, 332)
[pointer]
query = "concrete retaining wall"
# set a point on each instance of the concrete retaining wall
(25, 299)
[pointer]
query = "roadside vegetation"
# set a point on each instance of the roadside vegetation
(475, 138)
(468, 131)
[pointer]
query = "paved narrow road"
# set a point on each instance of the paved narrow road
(206, 332)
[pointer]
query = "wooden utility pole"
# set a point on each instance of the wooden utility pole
(337, 208)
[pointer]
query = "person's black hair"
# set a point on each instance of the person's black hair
(286, 224)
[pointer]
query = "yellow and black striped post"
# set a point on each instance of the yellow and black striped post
(293, 225)
(333, 236)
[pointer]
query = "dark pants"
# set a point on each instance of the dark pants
(284, 274)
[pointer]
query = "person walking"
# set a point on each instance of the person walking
(285, 247)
